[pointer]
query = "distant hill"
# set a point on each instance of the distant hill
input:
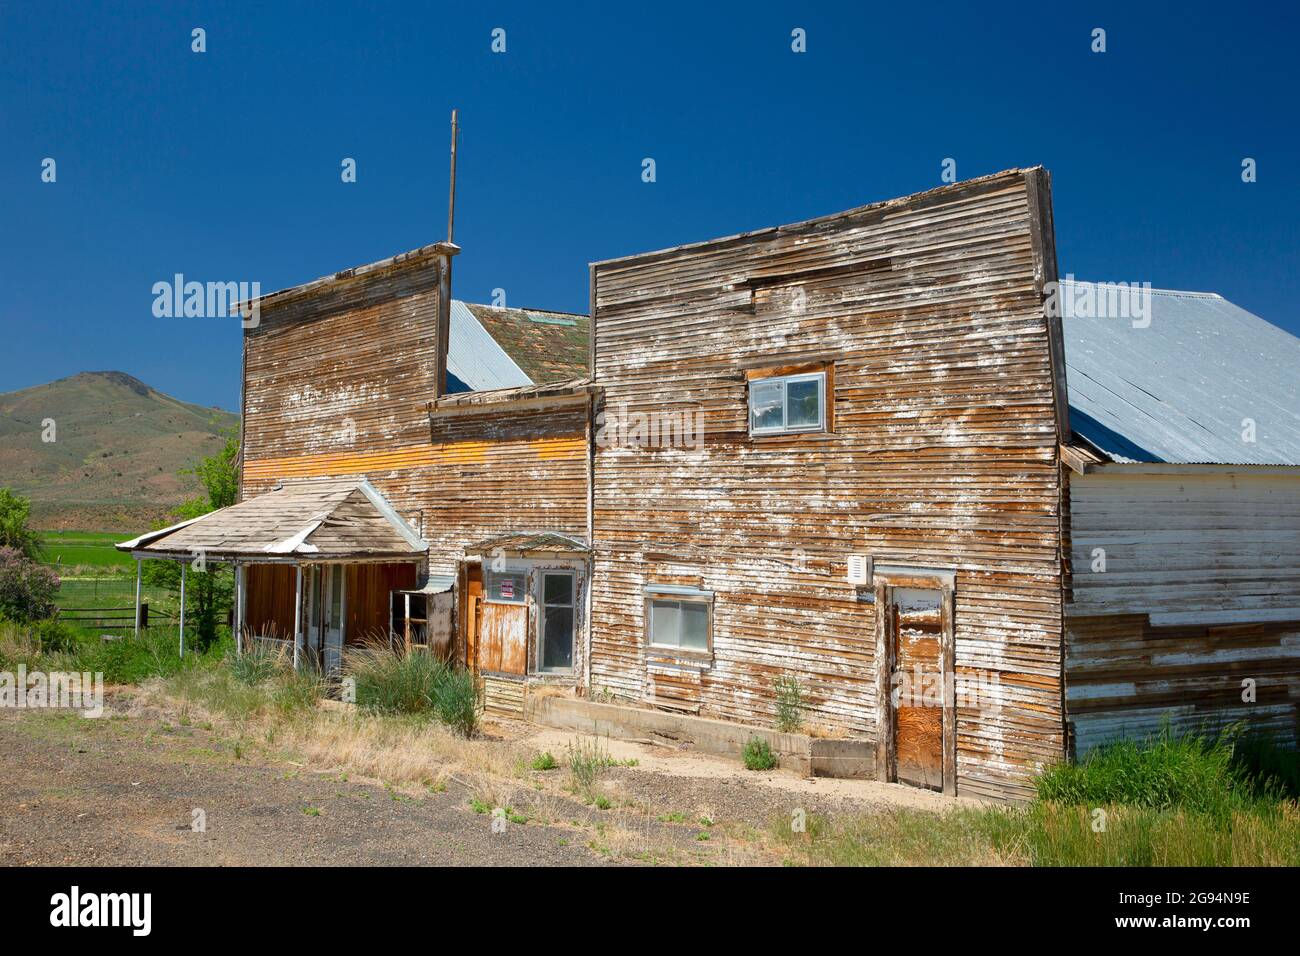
(118, 446)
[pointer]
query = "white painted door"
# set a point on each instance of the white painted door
(334, 608)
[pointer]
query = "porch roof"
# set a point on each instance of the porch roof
(525, 541)
(301, 520)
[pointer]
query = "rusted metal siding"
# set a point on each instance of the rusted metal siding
(927, 313)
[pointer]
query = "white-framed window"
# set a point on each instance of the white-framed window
(787, 403)
(556, 620)
(680, 620)
(505, 587)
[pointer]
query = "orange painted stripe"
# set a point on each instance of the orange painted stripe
(414, 456)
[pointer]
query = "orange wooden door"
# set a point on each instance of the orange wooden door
(916, 627)
(503, 638)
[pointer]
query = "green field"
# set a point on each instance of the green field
(91, 549)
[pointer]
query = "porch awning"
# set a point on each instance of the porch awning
(301, 520)
(526, 542)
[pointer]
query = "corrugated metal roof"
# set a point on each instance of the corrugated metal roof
(475, 360)
(1179, 388)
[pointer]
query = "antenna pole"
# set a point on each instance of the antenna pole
(451, 198)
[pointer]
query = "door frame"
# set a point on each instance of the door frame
(943, 580)
(540, 636)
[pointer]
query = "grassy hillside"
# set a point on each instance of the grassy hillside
(118, 446)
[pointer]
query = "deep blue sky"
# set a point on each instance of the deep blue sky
(225, 165)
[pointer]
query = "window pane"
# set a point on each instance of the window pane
(663, 622)
(557, 638)
(695, 625)
(765, 401)
(336, 597)
(557, 589)
(313, 596)
(506, 586)
(803, 403)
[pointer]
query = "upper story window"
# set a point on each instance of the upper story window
(787, 403)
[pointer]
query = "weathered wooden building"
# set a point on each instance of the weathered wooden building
(883, 383)
(861, 459)
(1184, 516)
(466, 426)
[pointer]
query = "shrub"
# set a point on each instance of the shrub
(392, 683)
(26, 588)
(56, 637)
(456, 700)
(758, 754)
(416, 683)
(789, 704)
(587, 761)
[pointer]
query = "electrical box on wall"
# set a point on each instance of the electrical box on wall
(860, 570)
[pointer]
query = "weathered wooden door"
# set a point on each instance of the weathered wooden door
(916, 649)
(503, 638)
(916, 627)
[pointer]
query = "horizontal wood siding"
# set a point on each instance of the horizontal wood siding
(1199, 591)
(943, 454)
(1125, 678)
(337, 385)
(1187, 545)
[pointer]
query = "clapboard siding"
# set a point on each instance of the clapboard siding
(943, 453)
(338, 383)
(1187, 547)
(1125, 678)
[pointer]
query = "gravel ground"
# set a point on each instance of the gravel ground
(119, 791)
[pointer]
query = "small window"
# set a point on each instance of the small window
(789, 403)
(680, 622)
(506, 587)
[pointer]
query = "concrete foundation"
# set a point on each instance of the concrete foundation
(809, 756)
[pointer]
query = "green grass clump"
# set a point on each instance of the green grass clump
(758, 754)
(544, 761)
(1196, 773)
(1170, 800)
(416, 683)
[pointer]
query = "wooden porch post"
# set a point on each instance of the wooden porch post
(184, 568)
(240, 599)
(137, 597)
(297, 618)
